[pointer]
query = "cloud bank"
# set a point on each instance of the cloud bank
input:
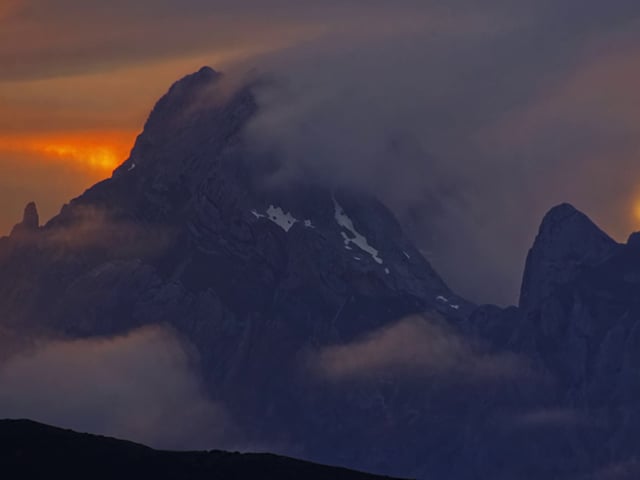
(139, 387)
(415, 347)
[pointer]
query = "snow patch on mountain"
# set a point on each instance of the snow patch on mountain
(356, 237)
(284, 220)
(281, 218)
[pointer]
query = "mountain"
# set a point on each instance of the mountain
(320, 326)
(578, 324)
(190, 232)
(32, 450)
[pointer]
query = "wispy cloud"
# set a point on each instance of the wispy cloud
(89, 227)
(413, 348)
(550, 418)
(140, 387)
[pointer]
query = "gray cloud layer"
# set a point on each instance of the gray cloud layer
(139, 387)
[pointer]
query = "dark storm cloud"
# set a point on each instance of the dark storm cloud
(139, 387)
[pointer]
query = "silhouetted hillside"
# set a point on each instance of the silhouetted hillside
(30, 450)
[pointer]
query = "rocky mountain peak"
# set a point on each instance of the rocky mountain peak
(181, 96)
(194, 177)
(194, 119)
(567, 241)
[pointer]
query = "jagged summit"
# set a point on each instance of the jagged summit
(567, 240)
(176, 118)
(192, 168)
(180, 96)
(192, 129)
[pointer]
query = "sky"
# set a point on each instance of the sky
(471, 119)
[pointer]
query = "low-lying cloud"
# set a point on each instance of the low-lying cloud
(415, 347)
(89, 227)
(141, 387)
(92, 227)
(551, 418)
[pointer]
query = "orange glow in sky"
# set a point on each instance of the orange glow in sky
(98, 151)
(636, 210)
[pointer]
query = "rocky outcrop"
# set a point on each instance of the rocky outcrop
(567, 242)
(30, 221)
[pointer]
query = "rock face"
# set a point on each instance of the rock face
(567, 242)
(585, 333)
(293, 295)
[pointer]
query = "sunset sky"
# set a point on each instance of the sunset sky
(78, 78)
(526, 103)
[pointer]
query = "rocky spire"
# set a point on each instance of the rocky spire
(30, 220)
(567, 240)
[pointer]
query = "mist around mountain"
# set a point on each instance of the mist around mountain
(200, 298)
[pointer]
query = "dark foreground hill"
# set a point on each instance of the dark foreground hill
(31, 450)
